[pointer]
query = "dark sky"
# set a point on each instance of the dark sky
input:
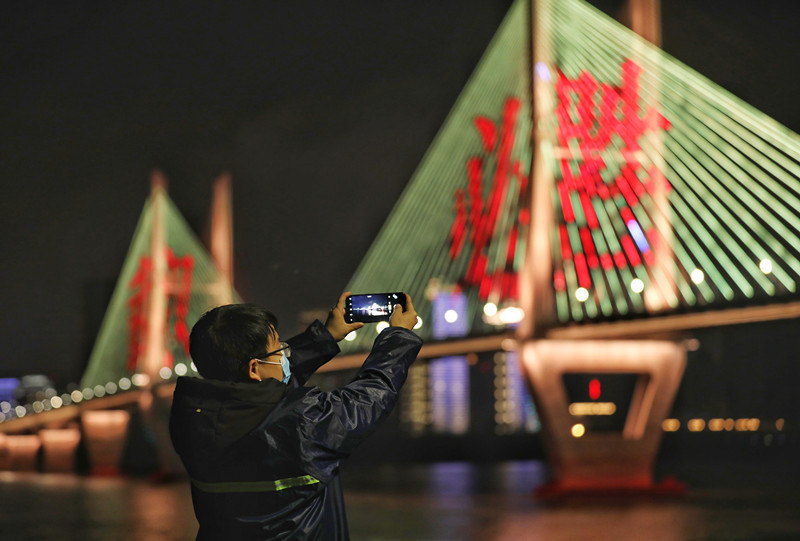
(321, 110)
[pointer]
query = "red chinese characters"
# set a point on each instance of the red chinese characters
(602, 165)
(179, 290)
(477, 221)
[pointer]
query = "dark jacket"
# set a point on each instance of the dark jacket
(264, 457)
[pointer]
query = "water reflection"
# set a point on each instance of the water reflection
(449, 501)
(61, 506)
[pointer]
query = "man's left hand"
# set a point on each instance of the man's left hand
(336, 324)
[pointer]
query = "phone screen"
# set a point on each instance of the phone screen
(372, 307)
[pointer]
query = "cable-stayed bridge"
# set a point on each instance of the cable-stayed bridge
(585, 187)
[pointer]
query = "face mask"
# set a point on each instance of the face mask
(287, 371)
(285, 366)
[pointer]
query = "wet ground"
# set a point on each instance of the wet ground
(443, 501)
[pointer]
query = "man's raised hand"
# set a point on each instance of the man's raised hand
(404, 318)
(336, 324)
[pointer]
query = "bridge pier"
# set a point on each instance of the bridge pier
(5, 454)
(23, 451)
(584, 459)
(105, 433)
(59, 449)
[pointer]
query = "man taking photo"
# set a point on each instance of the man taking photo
(263, 451)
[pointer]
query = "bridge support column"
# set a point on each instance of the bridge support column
(104, 433)
(584, 459)
(58, 449)
(5, 453)
(23, 452)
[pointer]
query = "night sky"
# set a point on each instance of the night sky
(321, 111)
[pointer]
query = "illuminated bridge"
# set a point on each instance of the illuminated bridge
(589, 206)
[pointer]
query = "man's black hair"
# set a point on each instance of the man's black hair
(227, 337)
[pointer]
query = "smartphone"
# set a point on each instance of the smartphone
(372, 307)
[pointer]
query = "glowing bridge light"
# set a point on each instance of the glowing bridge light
(637, 286)
(380, 326)
(165, 372)
(451, 316)
(140, 380)
(180, 369)
(542, 71)
(419, 323)
(124, 384)
(697, 276)
(670, 425)
(582, 294)
(766, 266)
(350, 336)
(511, 314)
(696, 425)
(578, 430)
(490, 309)
(638, 235)
(592, 408)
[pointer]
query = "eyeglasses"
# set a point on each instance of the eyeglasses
(284, 347)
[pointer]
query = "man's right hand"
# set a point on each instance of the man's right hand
(404, 318)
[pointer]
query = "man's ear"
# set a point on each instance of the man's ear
(252, 370)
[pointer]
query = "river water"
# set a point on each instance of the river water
(442, 501)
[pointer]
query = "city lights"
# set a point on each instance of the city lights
(490, 309)
(578, 430)
(451, 316)
(350, 336)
